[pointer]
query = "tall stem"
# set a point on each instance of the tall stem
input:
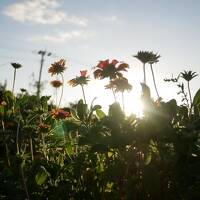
(5, 143)
(154, 81)
(17, 137)
(31, 147)
(144, 71)
(13, 87)
(83, 94)
(24, 181)
(123, 106)
(114, 95)
(188, 84)
(190, 107)
(40, 76)
(61, 90)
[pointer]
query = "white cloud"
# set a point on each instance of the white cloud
(111, 19)
(62, 36)
(41, 12)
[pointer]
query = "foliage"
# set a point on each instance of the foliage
(81, 152)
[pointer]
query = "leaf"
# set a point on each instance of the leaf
(41, 176)
(148, 158)
(81, 110)
(196, 103)
(100, 114)
(96, 107)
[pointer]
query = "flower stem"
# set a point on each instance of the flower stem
(190, 107)
(123, 106)
(24, 181)
(83, 94)
(61, 90)
(154, 81)
(17, 137)
(13, 87)
(114, 95)
(144, 71)
(31, 147)
(5, 143)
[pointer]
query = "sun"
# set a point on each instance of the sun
(133, 105)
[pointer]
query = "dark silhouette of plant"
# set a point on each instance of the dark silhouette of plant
(58, 68)
(188, 76)
(154, 59)
(80, 80)
(15, 66)
(145, 57)
(111, 70)
(119, 85)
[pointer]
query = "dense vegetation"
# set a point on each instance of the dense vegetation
(48, 152)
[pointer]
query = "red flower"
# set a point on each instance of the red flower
(59, 114)
(56, 83)
(109, 69)
(83, 73)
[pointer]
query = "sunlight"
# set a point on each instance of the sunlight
(133, 105)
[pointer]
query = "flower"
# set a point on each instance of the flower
(83, 73)
(59, 114)
(57, 67)
(109, 69)
(43, 128)
(119, 85)
(188, 75)
(79, 80)
(56, 83)
(16, 65)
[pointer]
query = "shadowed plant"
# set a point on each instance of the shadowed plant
(80, 80)
(58, 68)
(144, 57)
(119, 85)
(188, 76)
(154, 59)
(15, 66)
(111, 70)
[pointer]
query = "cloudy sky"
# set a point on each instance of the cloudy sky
(84, 32)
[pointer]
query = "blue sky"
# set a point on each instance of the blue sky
(84, 32)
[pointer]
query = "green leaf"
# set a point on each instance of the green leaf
(148, 158)
(41, 176)
(81, 110)
(96, 107)
(100, 114)
(196, 103)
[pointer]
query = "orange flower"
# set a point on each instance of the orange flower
(119, 85)
(59, 114)
(56, 83)
(57, 67)
(43, 128)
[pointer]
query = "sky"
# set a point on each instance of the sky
(84, 32)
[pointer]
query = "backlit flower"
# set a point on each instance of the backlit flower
(106, 69)
(59, 114)
(56, 83)
(119, 85)
(57, 67)
(16, 65)
(80, 80)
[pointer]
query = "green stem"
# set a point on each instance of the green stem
(114, 95)
(83, 93)
(13, 87)
(61, 90)
(44, 146)
(5, 143)
(154, 81)
(144, 71)
(123, 106)
(17, 137)
(190, 107)
(24, 181)
(31, 147)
